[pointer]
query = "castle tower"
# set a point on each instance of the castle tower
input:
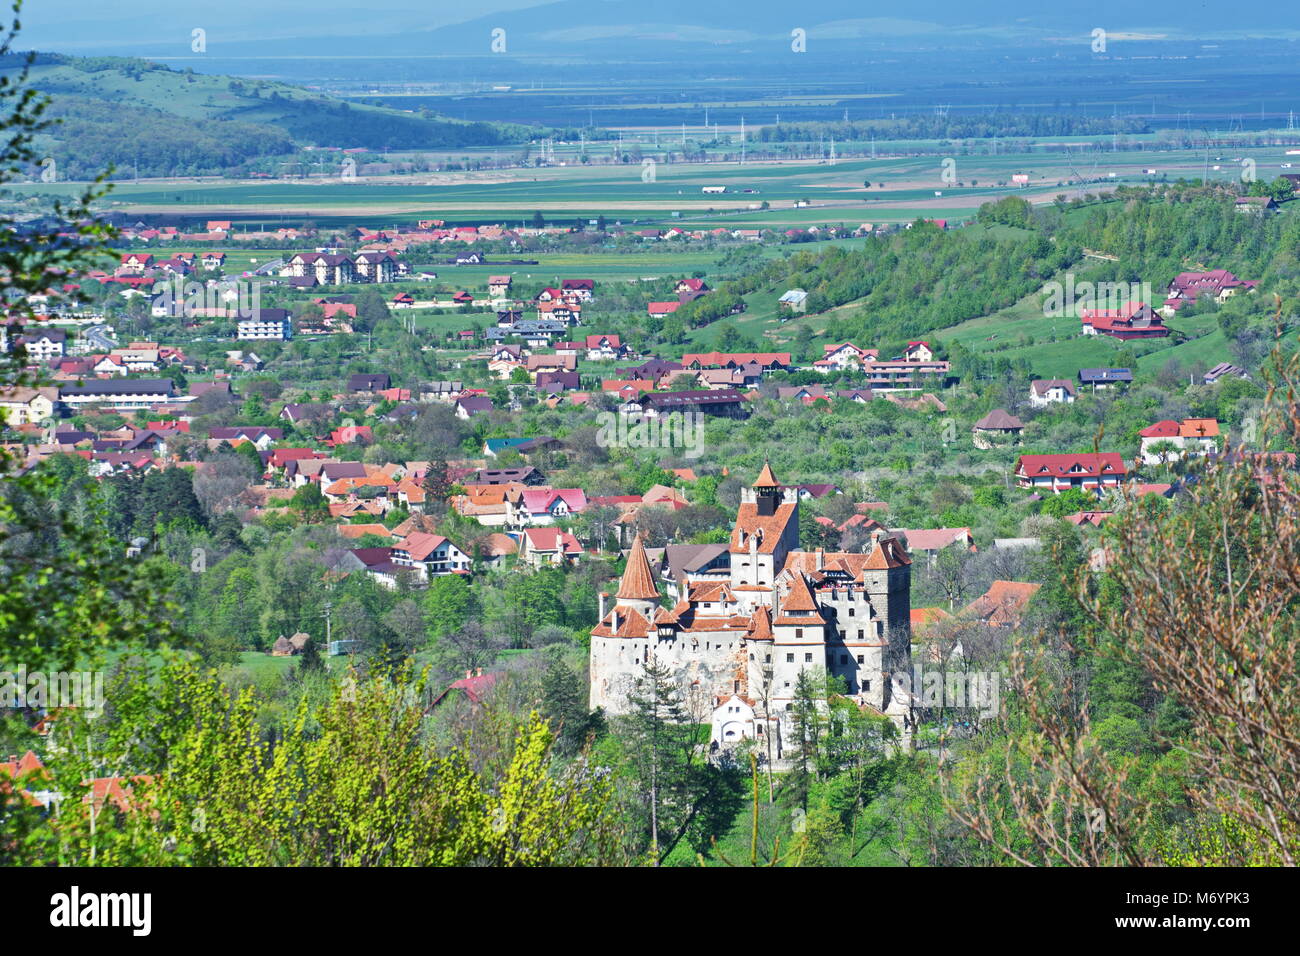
(767, 529)
(638, 591)
(767, 492)
(799, 639)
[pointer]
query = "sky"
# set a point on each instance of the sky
(243, 27)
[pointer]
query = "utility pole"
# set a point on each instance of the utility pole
(742, 141)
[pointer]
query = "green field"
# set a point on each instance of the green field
(903, 189)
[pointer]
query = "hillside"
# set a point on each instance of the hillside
(151, 120)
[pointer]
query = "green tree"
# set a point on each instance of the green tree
(309, 504)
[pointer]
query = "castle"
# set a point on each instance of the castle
(737, 645)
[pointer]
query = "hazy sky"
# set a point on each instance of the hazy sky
(69, 25)
(153, 26)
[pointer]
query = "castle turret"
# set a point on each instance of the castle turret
(767, 492)
(638, 590)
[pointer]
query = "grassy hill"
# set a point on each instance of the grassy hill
(152, 120)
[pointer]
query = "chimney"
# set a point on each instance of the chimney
(603, 596)
(469, 674)
(614, 622)
(478, 672)
(821, 557)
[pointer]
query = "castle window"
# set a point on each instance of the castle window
(866, 686)
(767, 658)
(798, 632)
(860, 659)
(861, 634)
(807, 658)
(851, 610)
(789, 658)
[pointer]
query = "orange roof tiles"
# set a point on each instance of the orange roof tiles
(638, 581)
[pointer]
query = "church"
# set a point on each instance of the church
(737, 645)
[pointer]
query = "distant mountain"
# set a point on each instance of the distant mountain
(608, 29)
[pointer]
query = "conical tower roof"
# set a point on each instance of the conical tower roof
(638, 582)
(766, 479)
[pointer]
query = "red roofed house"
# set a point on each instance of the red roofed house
(534, 507)
(1056, 473)
(1003, 604)
(1219, 284)
(549, 546)
(350, 435)
(581, 288)
(1168, 439)
(1132, 321)
(475, 685)
(844, 356)
(918, 352)
(662, 308)
(604, 347)
(430, 555)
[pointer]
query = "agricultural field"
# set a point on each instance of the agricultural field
(903, 188)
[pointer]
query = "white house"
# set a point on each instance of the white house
(1045, 391)
(430, 555)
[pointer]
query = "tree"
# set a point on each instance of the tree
(448, 604)
(539, 221)
(806, 730)
(309, 504)
(659, 741)
(564, 705)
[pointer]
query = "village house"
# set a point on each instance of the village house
(543, 546)
(467, 406)
(43, 345)
(538, 507)
(1102, 378)
(722, 402)
(1167, 440)
(846, 356)
(581, 289)
(1224, 370)
(661, 309)
(1217, 284)
(430, 555)
(1134, 320)
(1046, 391)
(928, 542)
(20, 405)
(691, 286)
(997, 424)
(1091, 471)
(793, 300)
(604, 348)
